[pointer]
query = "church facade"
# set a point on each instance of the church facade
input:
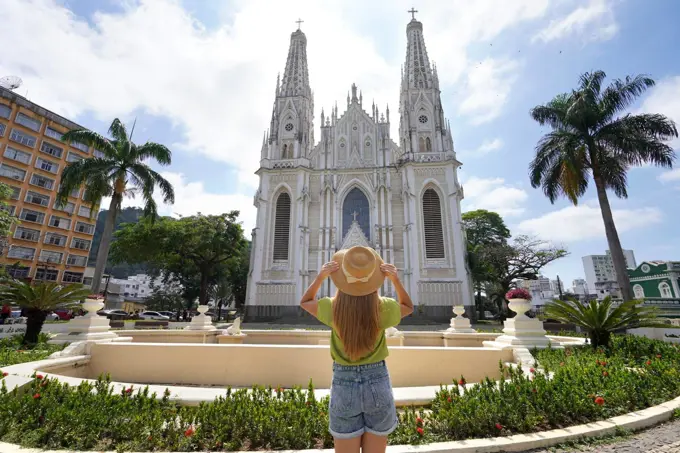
(358, 186)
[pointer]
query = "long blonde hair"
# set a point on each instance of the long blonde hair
(357, 321)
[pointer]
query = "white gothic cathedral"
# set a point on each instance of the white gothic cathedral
(356, 186)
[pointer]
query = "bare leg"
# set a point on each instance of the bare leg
(348, 445)
(370, 443)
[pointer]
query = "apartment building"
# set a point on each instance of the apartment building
(600, 268)
(52, 241)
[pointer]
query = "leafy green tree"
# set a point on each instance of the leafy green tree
(222, 295)
(196, 251)
(592, 136)
(39, 299)
(6, 219)
(483, 229)
(601, 318)
(121, 171)
(164, 299)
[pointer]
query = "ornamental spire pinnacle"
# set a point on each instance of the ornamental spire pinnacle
(417, 68)
(296, 75)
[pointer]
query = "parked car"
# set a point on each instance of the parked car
(52, 317)
(154, 315)
(169, 314)
(63, 314)
(114, 314)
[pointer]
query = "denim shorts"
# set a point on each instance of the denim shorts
(361, 401)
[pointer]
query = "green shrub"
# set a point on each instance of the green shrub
(13, 352)
(586, 385)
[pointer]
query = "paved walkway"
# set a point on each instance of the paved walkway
(661, 439)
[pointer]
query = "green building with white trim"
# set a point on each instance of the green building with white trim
(656, 280)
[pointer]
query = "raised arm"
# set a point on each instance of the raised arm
(405, 303)
(308, 301)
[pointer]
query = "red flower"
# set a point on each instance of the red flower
(534, 390)
(419, 421)
(518, 293)
(449, 399)
(648, 362)
(603, 363)
(5, 374)
(605, 374)
(461, 382)
(599, 401)
(36, 396)
(128, 391)
(39, 377)
(420, 431)
(189, 432)
(499, 427)
(532, 371)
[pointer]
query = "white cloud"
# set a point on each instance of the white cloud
(495, 195)
(487, 147)
(192, 198)
(670, 175)
(592, 22)
(664, 98)
(489, 84)
(577, 223)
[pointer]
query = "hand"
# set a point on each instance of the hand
(390, 272)
(328, 268)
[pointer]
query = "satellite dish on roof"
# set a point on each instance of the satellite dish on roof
(10, 82)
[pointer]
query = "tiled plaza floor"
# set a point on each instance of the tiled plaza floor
(661, 439)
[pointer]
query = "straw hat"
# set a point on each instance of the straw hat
(359, 272)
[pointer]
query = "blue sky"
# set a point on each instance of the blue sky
(199, 77)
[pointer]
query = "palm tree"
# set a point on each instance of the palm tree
(589, 138)
(601, 319)
(122, 170)
(222, 295)
(40, 299)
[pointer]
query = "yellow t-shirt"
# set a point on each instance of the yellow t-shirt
(390, 315)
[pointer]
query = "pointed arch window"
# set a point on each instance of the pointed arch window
(665, 290)
(284, 152)
(433, 228)
(639, 292)
(421, 147)
(282, 227)
(428, 144)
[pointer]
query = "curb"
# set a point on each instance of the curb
(633, 421)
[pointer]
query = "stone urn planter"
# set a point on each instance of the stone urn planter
(92, 306)
(520, 307)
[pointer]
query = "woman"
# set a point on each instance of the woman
(362, 410)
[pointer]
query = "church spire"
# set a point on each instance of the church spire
(417, 69)
(296, 76)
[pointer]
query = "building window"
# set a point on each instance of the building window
(81, 146)
(639, 292)
(52, 150)
(81, 244)
(24, 139)
(28, 122)
(60, 222)
(421, 145)
(37, 198)
(18, 271)
(68, 207)
(12, 172)
(282, 227)
(47, 165)
(15, 154)
(72, 277)
(284, 152)
(22, 253)
(42, 181)
(76, 260)
(3, 128)
(16, 193)
(55, 239)
(432, 221)
(73, 157)
(27, 234)
(84, 211)
(428, 144)
(49, 275)
(8, 208)
(48, 256)
(356, 207)
(665, 290)
(52, 133)
(85, 228)
(5, 111)
(29, 215)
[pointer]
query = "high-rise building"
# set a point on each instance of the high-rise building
(52, 241)
(358, 186)
(600, 268)
(580, 287)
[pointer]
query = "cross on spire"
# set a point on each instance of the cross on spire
(355, 214)
(413, 12)
(299, 21)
